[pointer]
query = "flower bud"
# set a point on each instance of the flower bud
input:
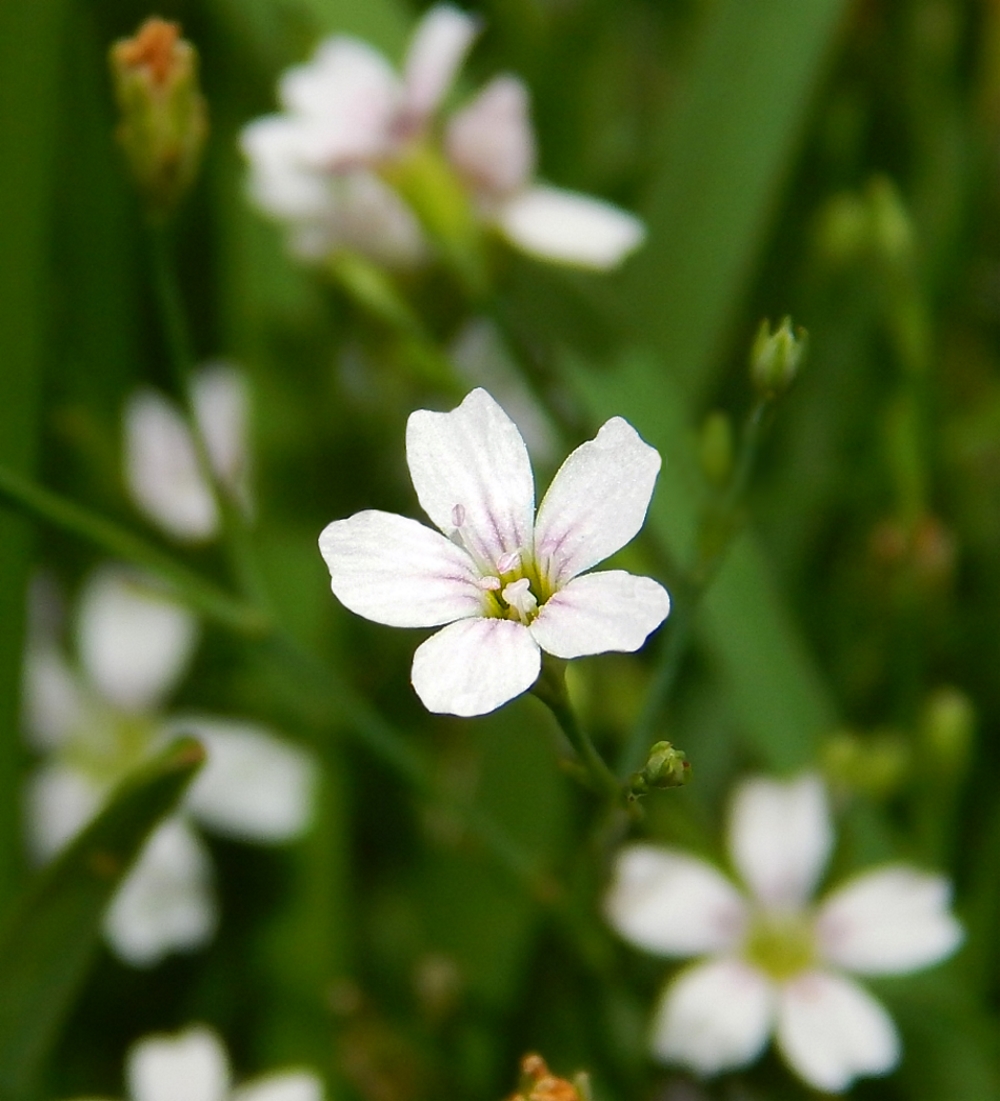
(539, 1084)
(666, 767)
(775, 357)
(876, 765)
(716, 448)
(892, 229)
(164, 122)
(948, 725)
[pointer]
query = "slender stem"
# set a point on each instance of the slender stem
(37, 502)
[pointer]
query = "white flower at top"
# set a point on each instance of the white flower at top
(775, 961)
(193, 1066)
(506, 583)
(162, 473)
(347, 115)
(97, 722)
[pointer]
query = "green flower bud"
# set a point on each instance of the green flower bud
(844, 229)
(949, 722)
(876, 765)
(775, 357)
(892, 229)
(716, 448)
(666, 767)
(164, 121)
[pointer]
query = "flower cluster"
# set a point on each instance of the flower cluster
(507, 583)
(193, 1066)
(326, 165)
(774, 961)
(97, 720)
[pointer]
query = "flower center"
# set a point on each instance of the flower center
(780, 945)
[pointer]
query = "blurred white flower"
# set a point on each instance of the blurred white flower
(775, 960)
(508, 584)
(492, 144)
(193, 1066)
(97, 722)
(314, 167)
(162, 472)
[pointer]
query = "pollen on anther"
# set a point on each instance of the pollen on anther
(509, 561)
(490, 584)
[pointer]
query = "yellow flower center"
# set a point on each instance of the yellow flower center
(108, 745)
(780, 945)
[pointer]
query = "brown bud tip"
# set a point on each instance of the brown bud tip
(153, 48)
(539, 1084)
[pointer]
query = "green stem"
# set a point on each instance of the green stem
(37, 502)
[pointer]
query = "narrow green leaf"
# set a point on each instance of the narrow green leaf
(726, 148)
(30, 40)
(47, 946)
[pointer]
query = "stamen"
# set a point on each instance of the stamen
(458, 515)
(490, 584)
(509, 561)
(519, 596)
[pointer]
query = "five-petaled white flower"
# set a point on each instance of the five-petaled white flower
(162, 472)
(775, 961)
(319, 166)
(133, 645)
(508, 584)
(192, 1066)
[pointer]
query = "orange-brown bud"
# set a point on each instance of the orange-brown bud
(539, 1084)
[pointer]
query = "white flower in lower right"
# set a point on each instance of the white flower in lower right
(774, 962)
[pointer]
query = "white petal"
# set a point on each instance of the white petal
(350, 97)
(888, 921)
(59, 802)
(491, 141)
(673, 904)
(569, 228)
(53, 700)
(714, 1016)
(133, 642)
(299, 1085)
(471, 465)
(395, 571)
(161, 469)
(253, 786)
(222, 406)
(365, 215)
(438, 47)
(780, 838)
(473, 666)
(283, 181)
(597, 501)
(611, 610)
(831, 1031)
(165, 904)
(191, 1066)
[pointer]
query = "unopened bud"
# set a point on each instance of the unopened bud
(876, 765)
(538, 1083)
(716, 448)
(666, 767)
(843, 230)
(948, 725)
(164, 121)
(775, 357)
(891, 226)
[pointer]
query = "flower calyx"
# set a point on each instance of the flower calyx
(666, 767)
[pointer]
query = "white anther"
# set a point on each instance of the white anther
(519, 596)
(458, 515)
(490, 584)
(509, 561)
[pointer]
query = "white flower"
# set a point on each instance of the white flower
(95, 725)
(345, 113)
(492, 144)
(508, 584)
(193, 1066)
(162, 472)
(775, 961)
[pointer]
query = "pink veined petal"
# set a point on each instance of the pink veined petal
(393, 570)
(438, 47)
(491, 142)
(597, 502)
(161, 469)
(714, 1016)
(610, 610)
(780, 838)
(473, 666)
(471, 471)
(253, 786)
(888, 921)
(222, 405)
(350, 97)
(189, 1066)
(289, 1085)
(165, 903)
(134, 643)
(831, 1031)
(673, 904)
(566, 227)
